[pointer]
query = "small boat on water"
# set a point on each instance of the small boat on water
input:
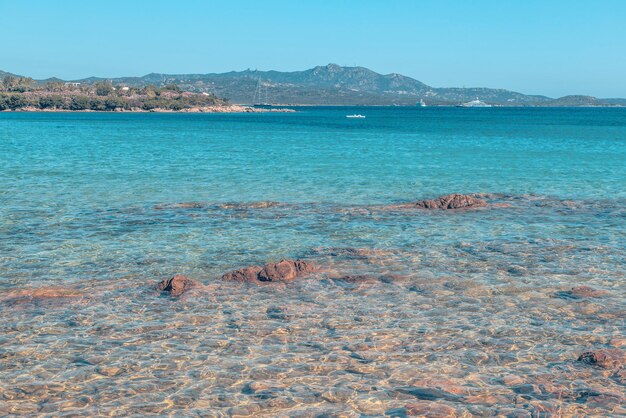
(355, 116)
(261, 98)
(421, 103)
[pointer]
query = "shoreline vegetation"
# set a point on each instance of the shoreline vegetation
(21, 94)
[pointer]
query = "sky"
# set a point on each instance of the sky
(554, 47)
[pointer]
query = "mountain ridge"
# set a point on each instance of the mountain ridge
(333, 84)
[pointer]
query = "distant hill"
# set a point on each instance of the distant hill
(578, 100)
(4, 74)
(325, 85)
(336, 85)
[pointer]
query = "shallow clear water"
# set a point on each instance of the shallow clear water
(469, 304)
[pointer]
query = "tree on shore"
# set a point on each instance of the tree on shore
(52, 102)
(104, 89)
(55, 86)
(115, 103)
(56, 95)
(151, 91)
(173, 87)
(80, 103)
(17, 84)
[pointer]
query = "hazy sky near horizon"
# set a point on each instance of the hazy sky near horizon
(555, 47)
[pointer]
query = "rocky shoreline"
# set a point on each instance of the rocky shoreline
(202, 109)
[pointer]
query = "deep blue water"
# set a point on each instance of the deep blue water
(91, 200)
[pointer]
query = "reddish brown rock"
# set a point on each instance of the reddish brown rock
(283, 271)
(581, 292)
(606, 358)
(246, 274)
(176, 285)
(452, 201)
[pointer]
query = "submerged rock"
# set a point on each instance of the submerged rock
(587, 292)
(618, 342)
(357, 278)
(606, 358)
(41, 294)
(581, 292)
(276, 312)
(258, 387)
(428, 394)
(452, 201)
(216, 205)
(176, 285)
(366, 278)
(181, 205)
(428, 409)
(264, 204)
(283, 271)
(350, 252)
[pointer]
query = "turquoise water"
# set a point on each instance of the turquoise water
(91, 204)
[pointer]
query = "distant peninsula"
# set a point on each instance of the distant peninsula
(24, 94)
(328, 85)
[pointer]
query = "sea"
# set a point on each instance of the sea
(413, 312)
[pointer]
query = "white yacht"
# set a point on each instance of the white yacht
(355, 116)
(475, 103)
(421, 103)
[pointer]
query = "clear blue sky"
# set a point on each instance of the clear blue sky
(554, 47)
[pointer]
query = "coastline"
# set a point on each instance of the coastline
(203, 109)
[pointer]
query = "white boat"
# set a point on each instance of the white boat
(421, 103)
(474, 103)
(355, 116)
